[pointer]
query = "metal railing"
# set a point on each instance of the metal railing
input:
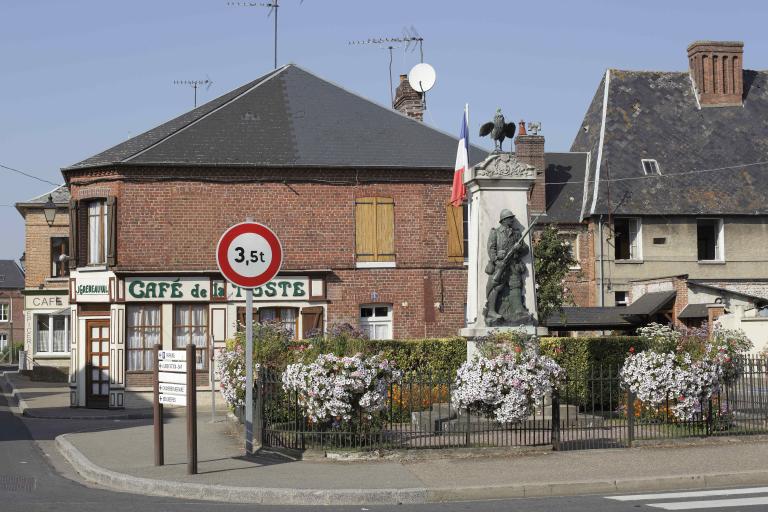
(588, 410)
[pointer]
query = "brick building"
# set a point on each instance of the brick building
(46, 300)
(11, 304)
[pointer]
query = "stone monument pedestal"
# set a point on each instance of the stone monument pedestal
(499, 183)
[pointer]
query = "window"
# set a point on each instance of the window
(627, 239)
(287, 317)
(97, 232)
(375, 231)
(142, 333)
(572, 240)
(458, 223)
(709, 239)
(650, 167)
(190, 325)
(3, 341)
(620, 299)
(376, 320)
(59, 248)
(51, 334)
(4, 308)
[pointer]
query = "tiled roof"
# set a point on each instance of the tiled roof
(564, 176)
(11, 276)
(654, 115)
(60, 195)
(650, 303)
(289, 118)
(694, 311)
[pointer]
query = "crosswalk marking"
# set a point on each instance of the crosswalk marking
(697, 505)
(689, 494)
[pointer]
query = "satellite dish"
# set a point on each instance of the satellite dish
(422, 77)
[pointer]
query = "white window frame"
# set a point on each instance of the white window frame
(100, 252)
(719, 241)
(5, 311)
(626, 298)
(575, 247)
(67, 334)
(637, 254)
(367, 322)
(3, 340)
(651, 162)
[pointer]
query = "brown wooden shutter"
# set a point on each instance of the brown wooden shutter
(365, 229)
(240, 318)
(385, 229)
(455, 218)
(311, 321)
(74, 217)
(112, 231)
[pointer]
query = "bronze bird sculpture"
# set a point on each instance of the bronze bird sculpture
(498, 129)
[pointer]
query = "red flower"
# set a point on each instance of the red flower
(631, 350)
(681, 398)
(518, 349)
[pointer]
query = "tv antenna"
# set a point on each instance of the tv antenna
(195, 84)
(273, 7)
(410, 39)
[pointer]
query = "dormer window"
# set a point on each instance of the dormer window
(650, 167)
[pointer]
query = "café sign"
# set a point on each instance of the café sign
(92, 289)
(46, 301)
(192, 289)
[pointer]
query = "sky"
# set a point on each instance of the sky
(79, 76)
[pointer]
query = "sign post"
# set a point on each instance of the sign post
(249, 255)
(174, 381)
(158, 413)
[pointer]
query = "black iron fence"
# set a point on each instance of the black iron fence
(590, 409)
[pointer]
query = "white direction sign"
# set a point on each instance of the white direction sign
(173, 389)
(172, 355)
(172, 366)
(173, 378)
(173, 399)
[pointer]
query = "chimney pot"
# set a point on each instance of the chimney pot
(716, 70)
(529, 149)
(408, 101)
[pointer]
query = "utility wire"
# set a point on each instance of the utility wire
(29, 175)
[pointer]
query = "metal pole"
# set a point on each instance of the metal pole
(276, 7)
(213, 378)
(191, 410)
(249, 371)
(157, 409)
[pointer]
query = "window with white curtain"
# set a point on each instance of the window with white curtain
(3, 341)
(287, 318)
(4, 312)
(97, 232)
(190, 325)
(51, 334)
(376, 320)
(142, 333)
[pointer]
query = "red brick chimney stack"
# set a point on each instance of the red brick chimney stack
(529, 149)
(408, 101)
(716, 70)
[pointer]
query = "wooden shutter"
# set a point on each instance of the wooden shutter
(365, 229)
(311, 321)
(111, 231)
(74, 217)
(455, 218)
(385, 229)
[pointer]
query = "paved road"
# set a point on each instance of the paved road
(33, 477)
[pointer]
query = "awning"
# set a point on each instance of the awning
(694, 311)
(649, 304)
(61, 312)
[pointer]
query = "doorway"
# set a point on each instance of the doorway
(97, 366)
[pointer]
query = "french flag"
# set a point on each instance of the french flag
(458, 190)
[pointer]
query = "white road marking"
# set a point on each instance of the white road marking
(690, 494)
(690, 505)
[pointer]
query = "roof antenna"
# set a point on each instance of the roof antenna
(195, 84)
(273, 6)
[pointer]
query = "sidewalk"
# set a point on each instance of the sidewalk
(50, 400)
(123, 460)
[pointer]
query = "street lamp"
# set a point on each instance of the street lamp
(49, 210)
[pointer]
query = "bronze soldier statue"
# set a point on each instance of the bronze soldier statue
(506, 271)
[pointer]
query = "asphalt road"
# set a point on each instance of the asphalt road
(34, 477)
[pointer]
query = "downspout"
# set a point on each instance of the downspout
(600, 234)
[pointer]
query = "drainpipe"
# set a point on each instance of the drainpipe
(600, 234)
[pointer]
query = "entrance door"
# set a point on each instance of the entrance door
(97, 368)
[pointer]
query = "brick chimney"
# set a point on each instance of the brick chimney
(408, 101)
(529, 149)
(716, 70)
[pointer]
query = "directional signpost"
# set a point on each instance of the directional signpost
(249, 255)
(175, 384)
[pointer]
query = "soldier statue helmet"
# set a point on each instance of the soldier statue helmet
(506, 214)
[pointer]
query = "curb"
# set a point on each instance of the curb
(21, 404)
(417, 495)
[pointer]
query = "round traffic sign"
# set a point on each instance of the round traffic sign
(249, 254)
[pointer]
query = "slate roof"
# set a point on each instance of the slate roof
(649, 303)
(11, 276)
(694, 311)
(564, 174)
(654, 115)
(576, 318)
(60, 195)
(289, 118)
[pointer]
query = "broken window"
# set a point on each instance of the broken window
(627, 238)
